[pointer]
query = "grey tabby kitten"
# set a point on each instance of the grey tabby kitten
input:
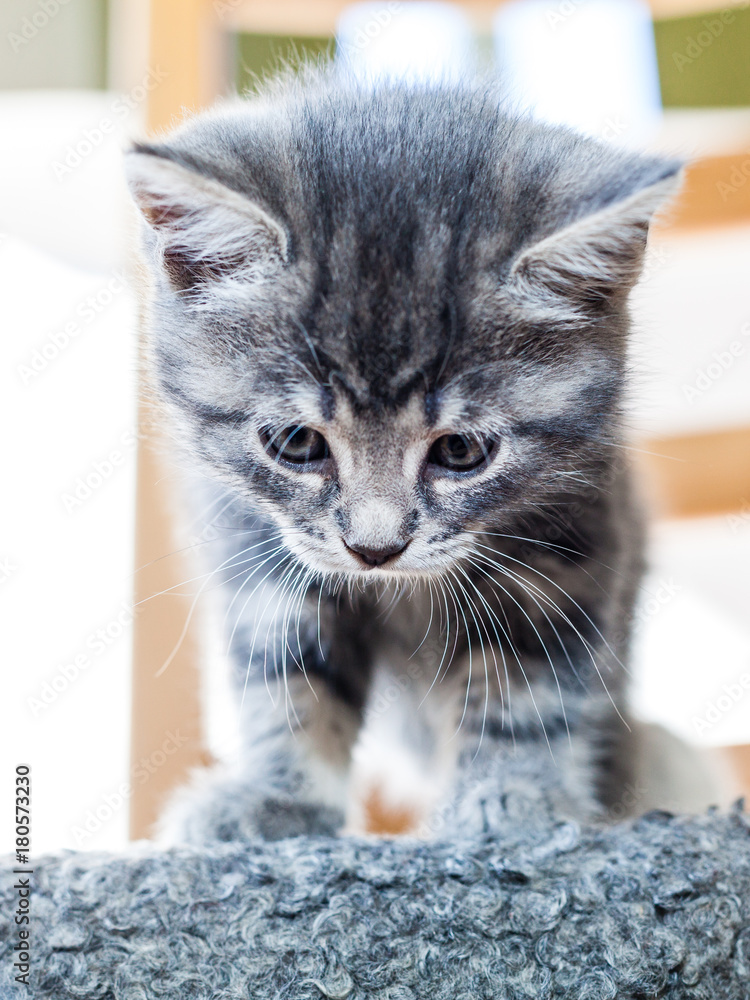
(391, 323)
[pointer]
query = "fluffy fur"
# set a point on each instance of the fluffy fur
(390, 271)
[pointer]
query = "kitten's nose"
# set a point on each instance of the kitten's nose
(376, 557)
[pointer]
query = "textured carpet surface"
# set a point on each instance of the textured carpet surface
(659, 907)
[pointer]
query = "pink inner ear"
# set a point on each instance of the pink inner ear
(207, 231)
(187, 267)
(192, 258)
(162, 213)
(160, 210)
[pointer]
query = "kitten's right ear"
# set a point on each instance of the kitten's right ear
(574, 272)
(205, 230)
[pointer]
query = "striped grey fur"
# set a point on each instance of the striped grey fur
(394, 266)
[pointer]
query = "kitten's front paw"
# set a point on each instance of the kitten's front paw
(502, 804)
(486, 811)
(218, 806)
(276, 818)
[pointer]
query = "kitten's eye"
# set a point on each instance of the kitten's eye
(459, 452)
(298, 445)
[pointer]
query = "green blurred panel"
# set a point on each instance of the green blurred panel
(260, 56)
(704, 60)
(53, 43)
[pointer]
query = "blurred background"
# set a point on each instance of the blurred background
(101, 689)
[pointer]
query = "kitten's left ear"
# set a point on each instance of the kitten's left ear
(596, 260)
(206, 231)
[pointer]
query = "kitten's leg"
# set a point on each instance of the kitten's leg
(298, 728)
(291, 779)
(546, 765)
(543, 727)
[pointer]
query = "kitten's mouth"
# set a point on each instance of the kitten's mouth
(337, 558)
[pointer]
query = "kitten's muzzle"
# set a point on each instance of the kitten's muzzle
(376, 557)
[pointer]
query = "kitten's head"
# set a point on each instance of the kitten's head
(392, 318)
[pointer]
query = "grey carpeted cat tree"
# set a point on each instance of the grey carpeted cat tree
(656, 907)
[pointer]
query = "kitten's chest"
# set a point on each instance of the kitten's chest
(414, 636)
